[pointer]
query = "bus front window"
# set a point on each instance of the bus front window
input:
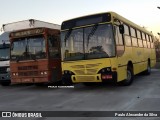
(72, 47)
(5, 52)
(99, 44)
(31, 48)
(92, 42)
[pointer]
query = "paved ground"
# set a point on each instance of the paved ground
(142, 95)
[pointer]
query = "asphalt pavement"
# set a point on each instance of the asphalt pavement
(142, 95)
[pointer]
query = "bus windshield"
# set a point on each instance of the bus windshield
(4, 52)
(91, 42)
(30, 48)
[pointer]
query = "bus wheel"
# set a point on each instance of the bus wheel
(148, 70)
(128, 81)
(89, 84)
(66, 81)
(5, 83)
(39, 84)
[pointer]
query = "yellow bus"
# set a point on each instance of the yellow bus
(105, 46)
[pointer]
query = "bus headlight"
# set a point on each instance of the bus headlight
(108, 69)
(8, 69)
(43, 73)
(67, 72)
(15, 74)
(105, 70)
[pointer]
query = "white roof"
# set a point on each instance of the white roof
(31, 23)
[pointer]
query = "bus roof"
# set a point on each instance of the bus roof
(125, 20)
(31, 23)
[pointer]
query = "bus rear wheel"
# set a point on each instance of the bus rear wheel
(148, 70)
(128, 81)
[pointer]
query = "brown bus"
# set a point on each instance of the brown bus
(35, 55)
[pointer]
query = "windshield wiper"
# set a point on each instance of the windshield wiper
(93, 30)
(67, 35)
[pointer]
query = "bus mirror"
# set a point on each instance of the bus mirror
(121, 29)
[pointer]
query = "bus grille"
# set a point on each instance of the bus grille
(3, 70)
(28, 67)
(86, 72)
(28, 73)
(87, 69)
(85, 78)
(78, 66)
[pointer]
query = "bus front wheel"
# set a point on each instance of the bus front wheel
(5, 83)
(129, 79)
(66, 81)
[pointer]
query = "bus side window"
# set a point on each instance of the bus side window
(53, 43)
(119, 42)
(151, 41)
(118, 36)
(144, 40)
(127, 37)
(134, 37)
(148, 41)
(139, 36)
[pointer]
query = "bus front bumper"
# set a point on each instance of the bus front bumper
(86, 78)
(4, 77)
(94, 78)
(30, 80)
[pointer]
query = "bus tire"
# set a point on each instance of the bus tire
(5, 83)
(39, 84)
(88, 83)
(66, 82)
(148, 70)
(128, 81)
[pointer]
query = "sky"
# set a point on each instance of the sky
(142, 12)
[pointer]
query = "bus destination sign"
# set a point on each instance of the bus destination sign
(27, 32)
